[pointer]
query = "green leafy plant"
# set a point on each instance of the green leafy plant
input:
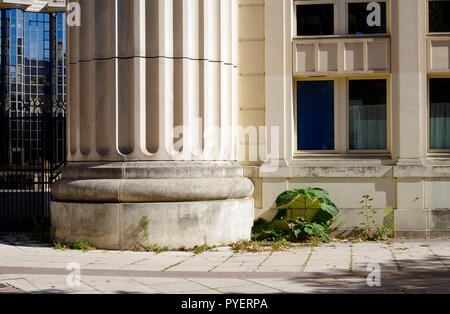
(303, 230)
(84, 246)
(316, 217)
(264, 229)
(60, 246)
(157, 249)
(202, 248)
(370, 230)
(144, 223)
(143, 239)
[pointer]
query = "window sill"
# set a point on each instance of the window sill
(347, 156)
(343, 36)
(438, 34)
(317, 169)
(437, 159)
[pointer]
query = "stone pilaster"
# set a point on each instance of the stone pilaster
(152, 126)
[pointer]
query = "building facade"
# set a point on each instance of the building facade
(33, 54)
(32, 76)
(362, 110)
(346, 95)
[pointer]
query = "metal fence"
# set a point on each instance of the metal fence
(32, 151)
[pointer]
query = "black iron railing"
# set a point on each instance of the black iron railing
(32, 152)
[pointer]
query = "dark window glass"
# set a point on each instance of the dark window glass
(367, 115)
(30, 52)
(315, 19)
(439, 16)
(315, 121)
(357, 19)
(440, 113)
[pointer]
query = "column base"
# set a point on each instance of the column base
(175, 225)
(186, 204)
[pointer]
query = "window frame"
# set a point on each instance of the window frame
(341, 17)
(315, 2)
(388, 116)
(388, 17)
(342, 118)
(336, 118)
(434, 152)
(427, 10)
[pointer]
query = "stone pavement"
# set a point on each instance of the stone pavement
(407, 266)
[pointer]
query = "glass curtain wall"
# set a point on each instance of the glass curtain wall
(33, 57)
(32, 75)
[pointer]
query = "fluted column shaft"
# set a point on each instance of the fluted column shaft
(152, 127)
(153, 80)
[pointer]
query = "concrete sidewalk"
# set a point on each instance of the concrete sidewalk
(407, 266)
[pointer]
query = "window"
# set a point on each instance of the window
(343, 116)
(315, 115)
(341, 17)
(439, 113)
(357, 18)
(438, 16)
(367, 114)
(315, 19)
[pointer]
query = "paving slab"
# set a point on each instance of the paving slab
(250, 288)
(109, 285)
(328, 260)
(217, 283)
(179, 285)
(20, 285)
(203, 262)
(243, 262)
(53, 284)
(418, 266)
(201, 292)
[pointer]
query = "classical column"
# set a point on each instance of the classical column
(152, 127)
(409, 80)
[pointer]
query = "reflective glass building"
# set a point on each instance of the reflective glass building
(33, 57)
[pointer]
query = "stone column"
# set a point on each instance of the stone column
(152, 127)
(409, 80)
(409, 85)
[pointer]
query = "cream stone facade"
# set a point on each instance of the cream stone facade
(145, 75)
(408, 176)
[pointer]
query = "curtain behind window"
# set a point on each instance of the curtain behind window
(368, 127)
(440, 125)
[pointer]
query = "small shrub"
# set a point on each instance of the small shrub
(318, 214)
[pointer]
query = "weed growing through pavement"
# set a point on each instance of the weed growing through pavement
(81, 245)
(369, 230)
